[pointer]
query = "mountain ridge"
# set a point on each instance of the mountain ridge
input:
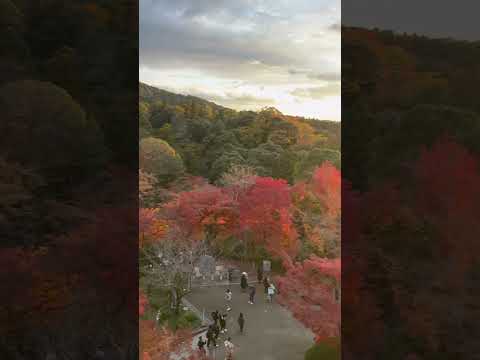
(150, 92)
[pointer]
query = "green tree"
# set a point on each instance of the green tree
(224, 163)
(44, 129)
(145, 128)
(160, 159)
(309, 160)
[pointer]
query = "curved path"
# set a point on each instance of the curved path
(271, 332)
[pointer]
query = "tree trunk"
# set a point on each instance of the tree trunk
(178, 300)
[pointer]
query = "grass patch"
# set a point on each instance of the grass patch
(329, 350)
(159, 305)
(184, 320)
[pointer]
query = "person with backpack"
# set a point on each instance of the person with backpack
(241, 322)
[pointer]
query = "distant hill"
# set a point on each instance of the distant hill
(150, 93)
(211, 138)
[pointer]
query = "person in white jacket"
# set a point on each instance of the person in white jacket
(229, 347)
(228, 298)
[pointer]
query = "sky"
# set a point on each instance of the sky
(246, 54)
(434, 18)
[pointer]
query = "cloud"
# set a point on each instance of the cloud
(432, 18)
(240, 101)
(318, 92)
(221, 36)
(336, 27)
(313, 75)
(256, 43)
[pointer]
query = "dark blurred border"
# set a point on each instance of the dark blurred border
(411, 195)
(68, 179)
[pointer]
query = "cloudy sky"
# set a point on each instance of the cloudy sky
(246, 54)
(454, 19)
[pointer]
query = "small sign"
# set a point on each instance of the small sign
(267, 265)
(206, 265)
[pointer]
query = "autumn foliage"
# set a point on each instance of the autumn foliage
(433, 216)
(326, 185)
(157, 342)
(261, 212)
(264, 212)
(151, 226)
(203, 212)
(310, 290)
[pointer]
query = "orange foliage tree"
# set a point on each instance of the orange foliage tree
(310, 290)
(264, 214)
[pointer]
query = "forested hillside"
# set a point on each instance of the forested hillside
(208, 139)
(68, 164)
(411, 126)
(241, 186)
(402, 91)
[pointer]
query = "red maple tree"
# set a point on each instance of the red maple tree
(265, 214)
(204, 213)
(310, 290)
(326, 183)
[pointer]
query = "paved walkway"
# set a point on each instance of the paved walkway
(271, 333)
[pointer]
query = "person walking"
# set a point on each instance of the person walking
(271, 292)
(266, 284)
(211, 338)
(201, 344)
(215, 316)
(229, 347)
(252, 295)
(228, 298)
(223, 323)
(244, 282)
(259, 273)
(241, 322)
(216, 330)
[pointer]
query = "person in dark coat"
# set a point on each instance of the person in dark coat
(252, 294)
(216, 331)
(241, 322)
(259, 273)
(215, 316)
(201, 343)
(243, 282)
(211, 336)
(223, 323)
(266, 284)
